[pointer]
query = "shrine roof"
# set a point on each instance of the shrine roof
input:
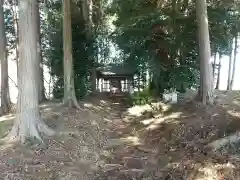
(116, 70)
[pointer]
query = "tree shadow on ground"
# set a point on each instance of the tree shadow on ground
(100, 141)
(49, 112)
(172, 145)
(70, 154)
(74, 153)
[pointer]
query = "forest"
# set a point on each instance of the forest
(119, 89)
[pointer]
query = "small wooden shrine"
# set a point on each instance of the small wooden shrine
(116, 78)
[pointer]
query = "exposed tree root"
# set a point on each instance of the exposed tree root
(72, 101)
(75, 102)
(43, 128)
(216, 145)
(201, 99)
(21, 131)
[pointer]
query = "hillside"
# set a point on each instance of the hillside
(108, 139)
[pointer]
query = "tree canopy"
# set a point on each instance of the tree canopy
(157, 36)
(162, 35)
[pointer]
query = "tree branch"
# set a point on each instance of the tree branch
(15, 84)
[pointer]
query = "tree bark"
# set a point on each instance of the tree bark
(41, 96)
(5, 96)
(234, 61)
(87, 9)
(69, 89)
(229, 65)
(28, 121)
(206, 86)
(219, 72)
(214, 65)
(14, 5)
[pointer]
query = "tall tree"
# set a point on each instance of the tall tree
(234, 60)
(214, 65)
(69, 89)
(41, 96)
(229, 65)
(28, 121)
(219, 72)
(5, 96)
(206, 80)
(14, 4)
(87, 9)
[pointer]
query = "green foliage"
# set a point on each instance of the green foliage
(161, 35)
(142, 97)
(83, 47)
(81, 64)
(158, 36)
(9, 28)
(160, 39)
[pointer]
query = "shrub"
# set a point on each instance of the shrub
(142, 97)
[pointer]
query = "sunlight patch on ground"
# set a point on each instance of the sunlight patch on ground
(88, 105)
(139, 109)
(47, 110)
(43, 105)
(213, 172)
(236, 102)
(148, 121)
(5, 144)
(164, 107)
(152, 126)
(8, 117)
(103, 101)
(233, 113)
(116, 103)
(134, 140)
(156, 122)
(107, 120)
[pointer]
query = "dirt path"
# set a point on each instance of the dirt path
(103, 142)
(170, 145)
(79, 149)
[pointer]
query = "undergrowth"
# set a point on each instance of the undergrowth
(142, 97)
